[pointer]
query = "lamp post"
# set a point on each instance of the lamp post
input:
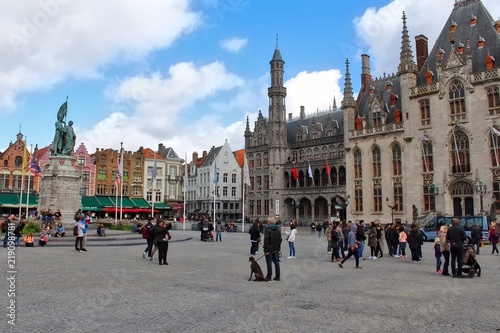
(481, 190)
(346, 203)
(392, 209)
(433, 190)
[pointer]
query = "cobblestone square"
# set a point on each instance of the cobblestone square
(205, 289)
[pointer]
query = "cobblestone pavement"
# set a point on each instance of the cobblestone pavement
(205, 289)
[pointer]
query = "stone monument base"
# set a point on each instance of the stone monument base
(60, 188)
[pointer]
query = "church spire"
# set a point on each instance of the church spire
(406, 63)
(334, 101)
(348, 95)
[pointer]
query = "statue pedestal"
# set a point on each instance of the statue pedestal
(60, 188)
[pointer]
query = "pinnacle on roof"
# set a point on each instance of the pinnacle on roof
(348, 95)
(406, 63)
(277, 54)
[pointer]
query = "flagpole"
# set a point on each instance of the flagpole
(22, 177)
(215, 185)
(28, 189)
(153, 196)
(121, 183)
(185, 190)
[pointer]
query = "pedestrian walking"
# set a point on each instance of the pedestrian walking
(352, 247)
(438, 254)
(494, 239)
(457, 237)
(290, 237)
(445, 249)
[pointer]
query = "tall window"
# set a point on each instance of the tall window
(86, 176)
(101, 188)
(101, 174)
(429, 203)
(376, 116)
(427, 163)
(425, 112)
(125, 175)
(377, 199)
(84, 190)
(341, 175)
(358, 200)
(258, 161)
(266, 207)
(4, 181)
(233, 178)
(457, 100)
(398, 198)
(266, 182)
(495, 150)
(265, 159)
(258, 206)
(233, 191)
(81, 160)
(377, 168)
(18, 161)
(224, 191)
(358, 174)
(16, 181)
(493, 100)
(396, 160)
(460, 157)
(224, 177)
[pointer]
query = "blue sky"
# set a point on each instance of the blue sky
(187, 73)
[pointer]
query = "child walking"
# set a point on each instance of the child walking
(437, 253)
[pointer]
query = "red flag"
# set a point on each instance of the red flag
(295, 174)
(327, 168)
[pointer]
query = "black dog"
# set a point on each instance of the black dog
(255, 270)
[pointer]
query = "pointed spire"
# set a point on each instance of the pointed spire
(334, 101)
(406, 63)
(348, 100)
(277, 54)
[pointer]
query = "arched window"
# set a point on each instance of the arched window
(300, 135)
(358, 123)
(358, 171)
(425, 112)
(258, 161)
(377, 168)
(18, 161)
(376, 115)
(493, 100)
(265, 159)
(460, 157)
(333, 176)
(396, 160)
(341, 176)
(102, 159)
(457, 101)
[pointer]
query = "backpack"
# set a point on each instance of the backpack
(145, 232)
(75, 230)
(496, 237)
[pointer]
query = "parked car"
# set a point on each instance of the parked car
(431, 229)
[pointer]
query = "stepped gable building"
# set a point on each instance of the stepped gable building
(296, 165)
(173, 181)
(426, 140)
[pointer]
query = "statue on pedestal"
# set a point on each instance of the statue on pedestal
(64, 137)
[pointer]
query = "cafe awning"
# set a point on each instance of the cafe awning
(162, 206)
(90, 203)
(10, 200)
(140, 203)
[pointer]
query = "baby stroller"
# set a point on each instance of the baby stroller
(470, 265)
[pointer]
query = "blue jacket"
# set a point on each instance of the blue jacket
(351, 237)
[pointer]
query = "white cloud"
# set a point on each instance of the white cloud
(46, 41)
(380, 29)
(233, 44)
(158, 108)
(314, 91)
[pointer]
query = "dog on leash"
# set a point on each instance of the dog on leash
(255, 270)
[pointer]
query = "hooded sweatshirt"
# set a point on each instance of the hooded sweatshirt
(351, 237)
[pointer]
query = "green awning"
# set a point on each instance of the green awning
(140, 203)
(32, 201)
(104, 201)
(10, 200)
(125, 203)
(91, 204)
(162, 205)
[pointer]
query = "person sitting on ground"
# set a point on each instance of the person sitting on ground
(57, 215)
(59, 230)
(43, 239)
(137, 227)
(28, 240)
(101, 231)
(49, 229)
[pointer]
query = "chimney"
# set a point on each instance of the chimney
(422, 50)
(195, 156)
(205, 154)
(302, 112)
(366, 77)
(497, 26)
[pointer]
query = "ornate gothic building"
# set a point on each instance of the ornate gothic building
(296, 165)
(427, 139)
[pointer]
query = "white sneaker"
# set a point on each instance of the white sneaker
(290, 257)
(144, 255)
(293, 257)
(396, 256)
(370, 257)
(374, 258)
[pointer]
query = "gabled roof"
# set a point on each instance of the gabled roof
(169, 153)
(336, 116)
(211, 156)
(149, 153)
(484, 28)
(365, 99)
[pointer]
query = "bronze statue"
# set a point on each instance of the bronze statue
(64, 137)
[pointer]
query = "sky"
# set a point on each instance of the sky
(188, 73)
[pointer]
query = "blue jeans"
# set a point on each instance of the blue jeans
(218, 236)
(351, 253)
(319, 233)
(329, 247)
(438, 264)
(273, 258)
(6, 238)
(291, 246)
(149, 248)
(395, 249)
(361, 247)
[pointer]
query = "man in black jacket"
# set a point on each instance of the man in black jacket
(272, 248)
(475, 236)
(361, 237)
(456, 236)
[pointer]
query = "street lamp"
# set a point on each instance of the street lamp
(481, 190)
(392, 209)
(346, 203)
(433, 190)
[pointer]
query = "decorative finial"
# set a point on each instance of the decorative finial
(276, 40)
(20, 125)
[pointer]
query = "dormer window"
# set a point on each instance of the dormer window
(429, 75)
(441, 54)
(397, 116)
(481, 42)
(394, 99)
(497, 26)
(490, 62)
(389, 86)
(473, 20)
(358, 123)
(376, 116)
(372, 90)
(453, 26)
(460, 48)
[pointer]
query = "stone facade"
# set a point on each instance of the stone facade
(421, 141)
(283, 153)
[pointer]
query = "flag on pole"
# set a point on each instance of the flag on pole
(309, 171)
(35, 168)
(327, 169)
(153, 174)
(295, 174)
(424, 138)
(494, 130)
(215, 173)
(246, 172)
